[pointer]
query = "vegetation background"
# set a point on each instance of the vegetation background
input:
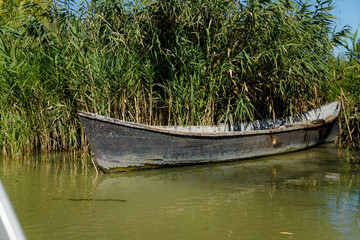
(168, 62)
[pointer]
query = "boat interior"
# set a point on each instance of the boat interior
(318, 115)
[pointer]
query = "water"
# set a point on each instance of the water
(303, 195)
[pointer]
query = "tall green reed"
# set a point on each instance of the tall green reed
(157, 62)
(346, 85)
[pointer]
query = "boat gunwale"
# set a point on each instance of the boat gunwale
(285, 128)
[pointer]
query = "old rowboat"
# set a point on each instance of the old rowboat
(119, 145)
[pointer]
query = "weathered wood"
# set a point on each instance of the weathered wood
(120, 145)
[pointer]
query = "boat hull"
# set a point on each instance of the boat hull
(118, 147)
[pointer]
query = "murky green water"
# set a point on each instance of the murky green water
(304, 195)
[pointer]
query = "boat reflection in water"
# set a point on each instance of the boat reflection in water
(294, 169)
(253, 199)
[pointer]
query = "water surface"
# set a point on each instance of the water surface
(302, 195)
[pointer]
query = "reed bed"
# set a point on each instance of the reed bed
(172, 62)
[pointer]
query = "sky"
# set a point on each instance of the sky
(348, 13)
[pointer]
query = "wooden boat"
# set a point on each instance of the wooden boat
(119, 145)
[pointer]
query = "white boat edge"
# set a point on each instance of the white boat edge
(10, 228)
